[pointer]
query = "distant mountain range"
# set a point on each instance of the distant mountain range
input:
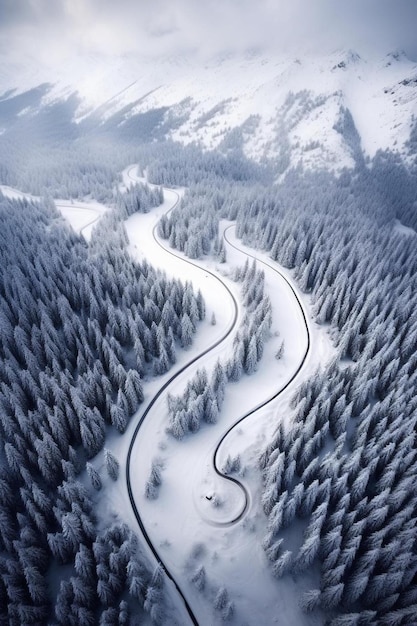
(317, 110)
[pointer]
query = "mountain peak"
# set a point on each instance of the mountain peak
(346, 58)
(396, 56)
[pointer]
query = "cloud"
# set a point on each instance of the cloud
(216, 25)
(153, 27)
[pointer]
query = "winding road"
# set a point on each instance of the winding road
(229, 330)
(271, 398)
(188, 365)
(64, 207)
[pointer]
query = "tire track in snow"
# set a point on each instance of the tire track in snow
(99, 214)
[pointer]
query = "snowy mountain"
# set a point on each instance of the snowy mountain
(315, 110)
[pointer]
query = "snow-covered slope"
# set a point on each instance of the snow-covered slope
(318, 110)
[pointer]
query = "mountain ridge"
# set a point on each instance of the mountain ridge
(282, 108)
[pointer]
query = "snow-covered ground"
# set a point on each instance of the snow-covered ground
(185, 528)
(81, 215)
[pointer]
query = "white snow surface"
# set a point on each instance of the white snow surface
(183, 525)
(82, 215)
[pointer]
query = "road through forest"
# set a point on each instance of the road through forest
(190, 367)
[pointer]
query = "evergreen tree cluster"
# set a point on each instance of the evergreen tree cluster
(80, 327)
(347, 466)
(223, 605)
(108, 579)
(255, 327)
(191, 227)
(139, 198)
(219, 596)
(203, 398)
(59, 171)
(201, 401)
(173, 164)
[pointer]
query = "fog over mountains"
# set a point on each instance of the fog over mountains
(315, 110)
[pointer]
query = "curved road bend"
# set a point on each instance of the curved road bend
(82, 208)
(90, 223)
(273, 397)
(153, 401)
(186, 366)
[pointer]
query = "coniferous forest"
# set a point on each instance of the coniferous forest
(81, 327)
(347, 465)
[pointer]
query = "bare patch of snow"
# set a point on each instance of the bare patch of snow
(404, 230)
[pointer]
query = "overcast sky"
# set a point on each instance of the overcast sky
(54, 29)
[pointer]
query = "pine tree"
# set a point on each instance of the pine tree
(280, 352)
(154, 481)
(207, 403)
(119, 412)
(94, 476)
(112, 464)
(186, 331)
(251, 356)
(199, 578)
(235, 367)
(133, 390)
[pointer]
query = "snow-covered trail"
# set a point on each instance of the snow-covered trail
(182, 517)
(81, 215)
